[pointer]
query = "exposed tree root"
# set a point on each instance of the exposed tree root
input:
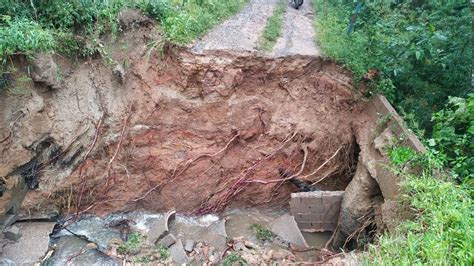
(119, 144)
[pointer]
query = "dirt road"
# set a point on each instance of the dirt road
(241, 32)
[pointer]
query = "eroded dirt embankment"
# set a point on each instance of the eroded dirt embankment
(185, 131)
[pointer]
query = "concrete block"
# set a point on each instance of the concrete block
(316, 211)
(300, 208)
(287, 229)
(12, 233)
(178, 254)
(308, 217)
(189, 245)
(167, 240)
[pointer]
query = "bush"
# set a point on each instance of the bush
(453, 136)
(441, 233)
(422, 47)
(23, 35)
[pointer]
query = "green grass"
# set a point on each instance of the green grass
(262, 233)
(441, 233)
(76, 27)
(184, 21)
(272, 30)
(144, 259)
(163, 252)
(133, 244)
(234, 259)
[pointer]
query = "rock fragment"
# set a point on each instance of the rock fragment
(167, 241)
(12, 233)
(189, 245)
(45, 71)
(177, 252)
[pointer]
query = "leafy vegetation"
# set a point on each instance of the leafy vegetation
(262, 233)
(234, 259)
(144, 259)
(132, 245)
(442, 230)
(423, 54)
(184, 21)
(272, 30)
(421, 48)
(453, 137)
(75, 27)
(163, 252)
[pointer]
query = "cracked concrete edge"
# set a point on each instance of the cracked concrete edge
(160, 227)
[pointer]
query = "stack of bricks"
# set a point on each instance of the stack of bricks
(316, 211)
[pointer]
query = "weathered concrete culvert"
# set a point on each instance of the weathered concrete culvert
(191, 132)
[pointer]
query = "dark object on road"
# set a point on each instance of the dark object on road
(296, 3)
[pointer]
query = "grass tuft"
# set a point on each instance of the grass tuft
(441, 232)
(234, 259)
(133, 244)
(272, 30)
(262, 233)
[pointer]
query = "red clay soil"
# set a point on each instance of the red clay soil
(211, 125)
(194, 132)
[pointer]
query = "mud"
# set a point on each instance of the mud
(194, 132)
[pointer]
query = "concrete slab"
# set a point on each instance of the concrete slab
(72, 250)
(31, 246)
(95, 230)
(160, 227)
(286, 228)
(177, 252)
(167, 240)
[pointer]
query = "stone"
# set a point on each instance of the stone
(45, 71)
(250, 245)
(35, 240)
(12, 233)
(167, 240)
(286, 228)
(239, 246)
(96, 230)
(8, 219)
(69, 246)
(160, 227)
(10, 202)
(212, 259)
(189, 245)
(119, 73)
(177, 252)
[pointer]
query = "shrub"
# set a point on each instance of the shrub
(441, 233)
(20, 35)
(422, 47)
(453, 136)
